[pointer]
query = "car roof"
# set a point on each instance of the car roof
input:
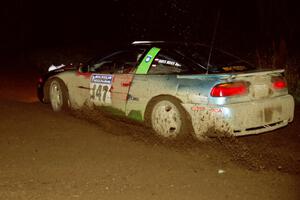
(166, 44)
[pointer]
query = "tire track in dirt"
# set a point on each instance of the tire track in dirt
(278, 150)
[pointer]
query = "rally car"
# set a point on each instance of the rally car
(177, 89)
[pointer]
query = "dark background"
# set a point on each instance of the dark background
(269, 26)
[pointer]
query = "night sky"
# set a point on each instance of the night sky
(241, 25)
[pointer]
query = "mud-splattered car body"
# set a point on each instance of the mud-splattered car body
(176, 93)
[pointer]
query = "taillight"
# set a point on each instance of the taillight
(279, 83)
(229, 89)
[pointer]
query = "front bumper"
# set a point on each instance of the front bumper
(242, 118)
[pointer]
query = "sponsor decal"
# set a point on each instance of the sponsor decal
(201, 108)
(198, 108)
(100, 87)
(232, 68)
(216, 110)
(148, 58)
(104, 79)
(168, 62)
(132, 98)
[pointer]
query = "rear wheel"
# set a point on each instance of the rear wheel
(58, 95)
(168, 118)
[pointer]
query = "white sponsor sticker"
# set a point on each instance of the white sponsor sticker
(100, 89)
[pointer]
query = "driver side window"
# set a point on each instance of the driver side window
(123, 62)
(104, 67)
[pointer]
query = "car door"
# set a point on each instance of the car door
(112, 78)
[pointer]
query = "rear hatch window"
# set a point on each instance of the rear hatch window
(217, 61)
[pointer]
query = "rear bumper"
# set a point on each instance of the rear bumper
(242, 118)
(260, 116)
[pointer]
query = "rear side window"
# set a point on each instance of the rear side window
(166, 63)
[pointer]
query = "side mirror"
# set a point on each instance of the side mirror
(83, 68)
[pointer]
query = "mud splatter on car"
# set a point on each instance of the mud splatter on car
(173, 88)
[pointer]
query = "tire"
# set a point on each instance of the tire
(58, 95)
(168, 118)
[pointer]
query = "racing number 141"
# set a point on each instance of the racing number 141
(99, 92)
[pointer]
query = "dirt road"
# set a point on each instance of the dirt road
(46, 155)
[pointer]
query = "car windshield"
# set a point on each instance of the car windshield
(220, 61)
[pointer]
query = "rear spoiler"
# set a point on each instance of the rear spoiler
(231, 76)
(259, 73)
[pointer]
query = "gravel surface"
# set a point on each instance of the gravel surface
(89, 155)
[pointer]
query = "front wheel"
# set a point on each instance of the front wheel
(168, 118)
(58, 95)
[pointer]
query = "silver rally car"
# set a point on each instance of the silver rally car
(177, 89)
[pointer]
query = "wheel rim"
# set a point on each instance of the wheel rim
(166, 119)
(56, 96)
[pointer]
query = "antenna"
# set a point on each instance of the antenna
(213, 40)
